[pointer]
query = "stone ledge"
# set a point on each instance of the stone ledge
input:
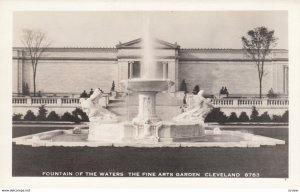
(249, 142)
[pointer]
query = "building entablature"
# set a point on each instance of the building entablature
(227, 55)
(164, 51)
(72, 53)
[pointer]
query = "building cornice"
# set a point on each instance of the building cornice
(235, 55)
(71, 58)
(231, 60)
(223, 49)
(73, 49)
(139, 57)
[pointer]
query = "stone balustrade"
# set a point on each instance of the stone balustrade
(275, 106)
(249, 102)
(223, 102)
(51, 101)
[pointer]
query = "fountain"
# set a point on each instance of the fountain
(148, 126)
(147, 129)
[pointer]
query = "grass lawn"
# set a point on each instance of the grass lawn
(267, 161)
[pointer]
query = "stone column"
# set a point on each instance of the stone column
(165, 70)
(285, 80)
(172, 74)
(123, 68)
(130, 69)
(20, 55)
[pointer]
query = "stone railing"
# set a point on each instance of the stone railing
(249, 102)
(246, 102)
(52, 101)
(224, 102)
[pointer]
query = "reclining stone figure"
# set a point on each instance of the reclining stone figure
(94, 110)
(197, 112)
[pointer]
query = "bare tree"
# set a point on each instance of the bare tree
(258, 45)
(35, 43)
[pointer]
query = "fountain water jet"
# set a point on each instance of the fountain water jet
(148, 56)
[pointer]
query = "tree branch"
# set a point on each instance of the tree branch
(35, 42)
(258, 45)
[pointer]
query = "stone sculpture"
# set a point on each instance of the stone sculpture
(94, 110)
(197, 112)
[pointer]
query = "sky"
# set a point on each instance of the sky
(190, 29)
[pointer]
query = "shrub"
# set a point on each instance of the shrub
(29, 116)
(285, 116)
(232, 117)
(254, 115)
(271, 94)
(84, 95)
(276, 118)
(216, 115)
(77, 116)
(243, 117)
(80, 116)
(42, 113)
(196, 89)
(113, 86)
(265, 117)
(67, 117)
(53, 116)
(17, 117)
(25, 89)
(184, 99)
(183, 86)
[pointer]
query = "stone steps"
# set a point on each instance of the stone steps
(167, 106)
(161, 99)
(127, 113)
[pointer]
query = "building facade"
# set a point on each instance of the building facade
(69, 71)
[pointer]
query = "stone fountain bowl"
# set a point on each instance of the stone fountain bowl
(147, 85)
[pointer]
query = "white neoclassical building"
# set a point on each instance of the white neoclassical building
(64, 72)
(71, 70)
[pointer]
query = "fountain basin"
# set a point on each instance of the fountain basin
(223, 138)
(135, 132)
(147, 85)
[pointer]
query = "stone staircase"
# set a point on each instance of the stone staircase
(167, 106)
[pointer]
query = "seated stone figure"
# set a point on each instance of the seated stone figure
(196, 113)
(94, 110)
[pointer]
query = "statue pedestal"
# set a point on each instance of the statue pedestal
(147, 111)
(146, 123)
(147, 132)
